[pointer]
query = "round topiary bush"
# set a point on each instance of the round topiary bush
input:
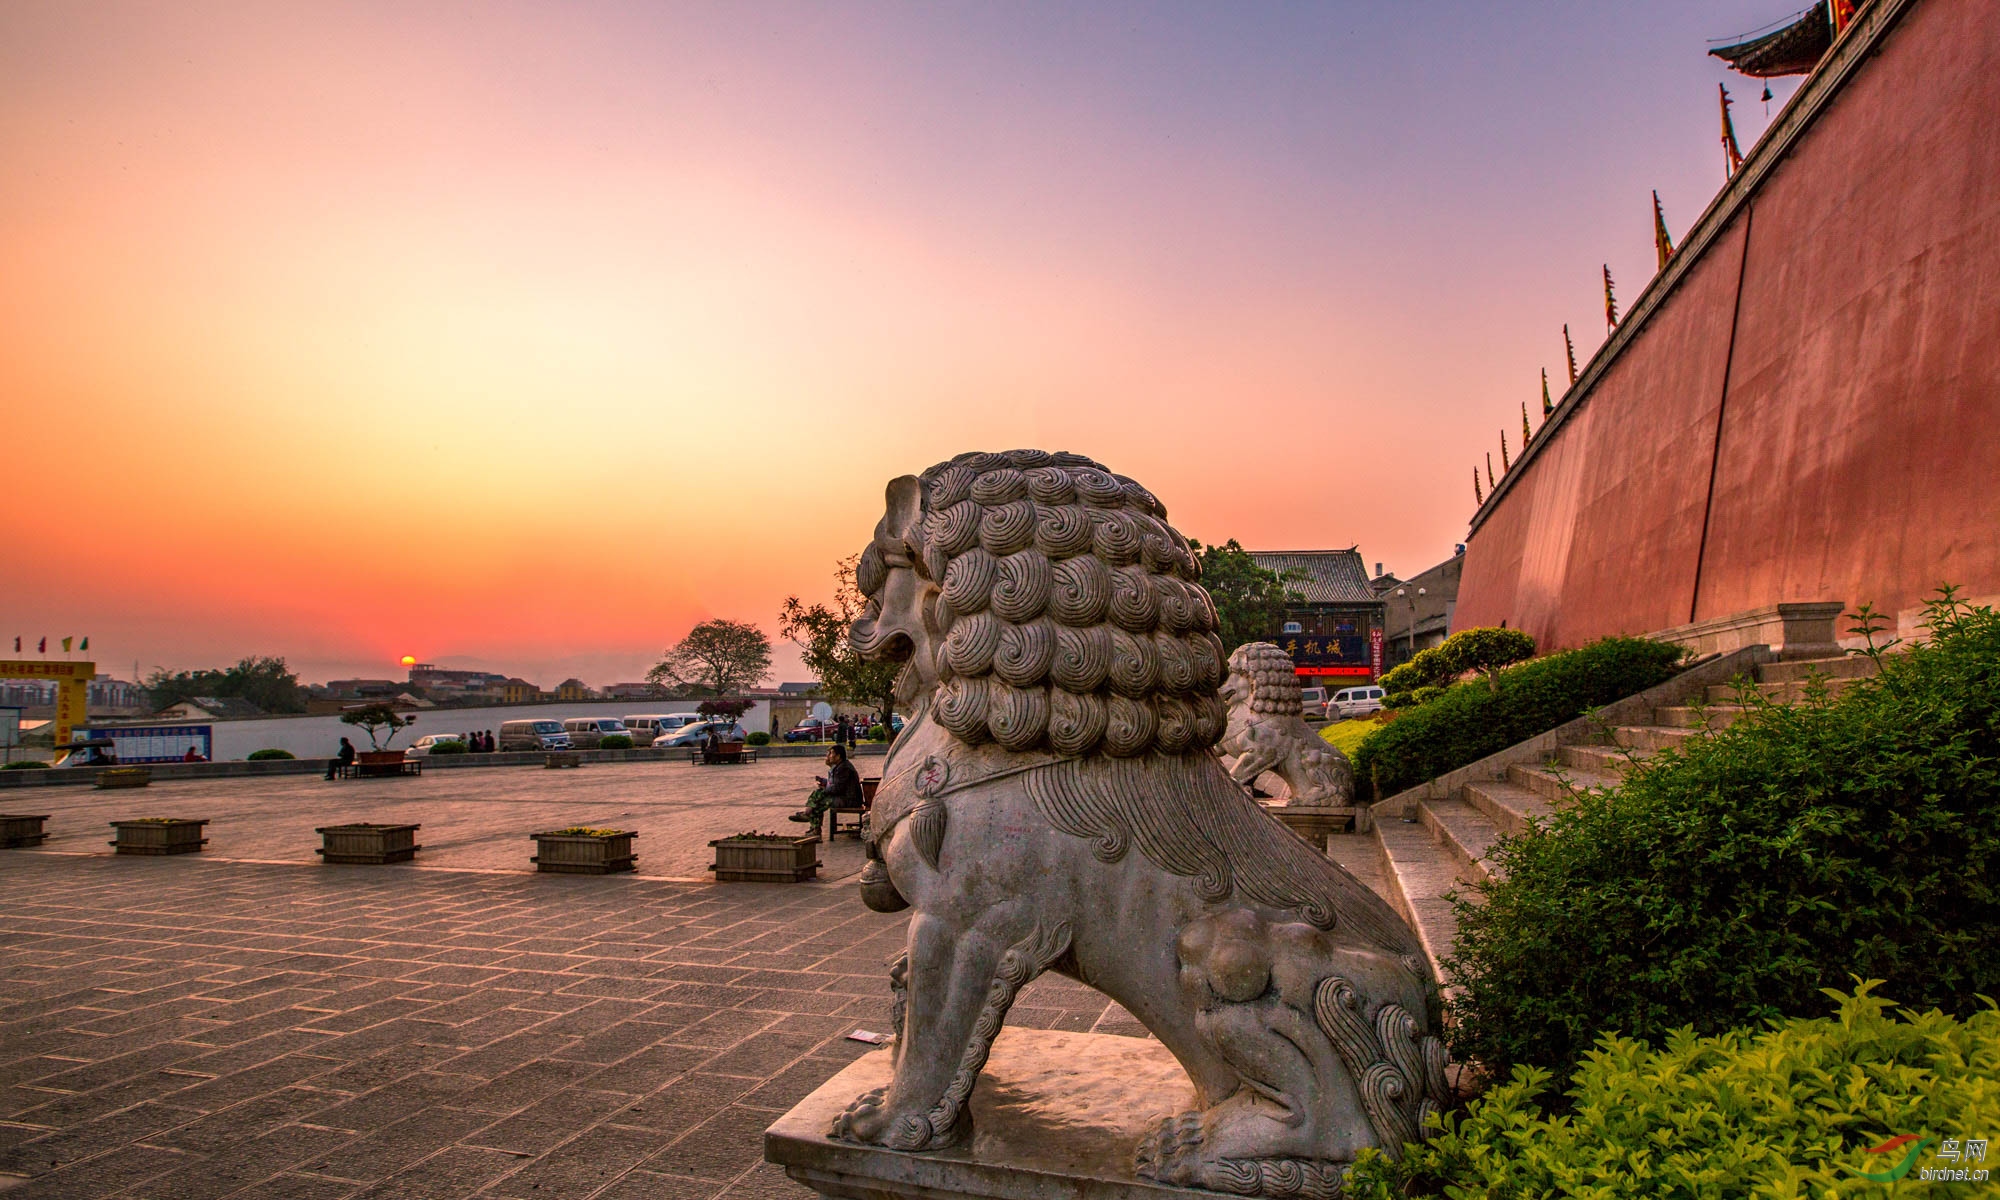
(759, 738)
(268, 753)
(1482, 649)
(1729, 881)
(615, 741)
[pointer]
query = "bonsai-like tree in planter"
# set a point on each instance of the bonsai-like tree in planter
(374, 717)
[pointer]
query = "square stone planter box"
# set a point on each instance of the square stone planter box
(599, 853)
(159, 835)
(21, 829)
(124, 777)
(562, 758)
(765, 860)
(366, 843)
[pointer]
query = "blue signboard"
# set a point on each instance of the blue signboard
(156, 743)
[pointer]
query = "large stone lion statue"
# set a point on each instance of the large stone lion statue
(1267, 733)
(1055, 804)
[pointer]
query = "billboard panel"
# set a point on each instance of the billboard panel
(157, 743)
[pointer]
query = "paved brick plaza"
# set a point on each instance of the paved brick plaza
(195, 1027)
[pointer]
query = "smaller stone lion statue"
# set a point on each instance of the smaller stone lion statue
(1266, 732)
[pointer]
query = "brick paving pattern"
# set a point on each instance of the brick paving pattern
(187, 1028)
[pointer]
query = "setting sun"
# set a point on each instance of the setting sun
(408, 660)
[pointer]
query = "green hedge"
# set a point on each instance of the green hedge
(1730, 880)
(1469, 721)
(25, 764)
(759, 738)
(1482, 649)
(448, 748)
(268, 753)
(615, 741)
(1789, 1111)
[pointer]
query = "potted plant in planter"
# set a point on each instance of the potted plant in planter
(582, 850)
(22, 829)
(124, 777)
(159, 835)
(765, 858)
(378, 760)
(365, 842)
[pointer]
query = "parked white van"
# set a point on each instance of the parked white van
(1355, 702)
(1312, 703)
(646, 728)
(585, 733)
(533, 735)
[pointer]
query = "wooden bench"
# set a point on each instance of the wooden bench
(727, 752)
(360, 770)
(859, 812)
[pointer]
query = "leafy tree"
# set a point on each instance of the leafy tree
(375, 717)
(264, 681)
(820, 632)
(720, 656)
(1250, 599)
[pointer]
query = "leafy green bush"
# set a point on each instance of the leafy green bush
(1792, 1110)
(448, 747)
(268, 753)
(1728, 881)
(615, 741)
(759, 738)
(1483, 716)
(25, 764)
(1413, 697)
(1482, 649)
(878, 733)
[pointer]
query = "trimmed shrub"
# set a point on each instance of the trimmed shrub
(759, 738)
(449, 748)
(615, 741)
(268, 753)
(1482, 649)
(878, 733)
(1730, 880)
(25, 764)
(1484, 716)
(1792, 1110)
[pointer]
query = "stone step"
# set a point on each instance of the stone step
(1550, 786)
(1852, 666)
(1651, 737)
(1420, 873)
(1507, 805)
(1778, 693)
(1716, 716)
(1463, 831)
(1610, 760)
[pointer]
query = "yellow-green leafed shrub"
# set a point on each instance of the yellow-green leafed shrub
(1791, 1111)
(1347, 736)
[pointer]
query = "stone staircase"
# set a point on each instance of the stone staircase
(1433, 840)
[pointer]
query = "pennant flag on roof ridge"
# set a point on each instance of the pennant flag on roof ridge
(1548, 406)
(1662, 244)
(1569, 352)
(1732, 156)
(1610, 302)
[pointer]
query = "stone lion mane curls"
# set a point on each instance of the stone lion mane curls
(1072, 615)
(1276, 683)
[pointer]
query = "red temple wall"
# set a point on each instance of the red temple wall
(1859, 454)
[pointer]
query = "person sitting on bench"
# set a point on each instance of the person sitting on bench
(340, 762)
(840, 787)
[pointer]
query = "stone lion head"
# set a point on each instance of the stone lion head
(1043, 602)
(1262, 675)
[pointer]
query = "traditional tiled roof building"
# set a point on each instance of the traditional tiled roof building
(1333, 627)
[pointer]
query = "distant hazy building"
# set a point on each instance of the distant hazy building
(1417, 611)
(574, 689)
(634, 691)
(519, 691)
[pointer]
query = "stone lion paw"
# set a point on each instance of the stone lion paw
(1171, 1153)
(871, 1120)
(860, 1122)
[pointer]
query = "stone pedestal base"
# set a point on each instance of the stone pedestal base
(1315, 824)
(1054, 1115)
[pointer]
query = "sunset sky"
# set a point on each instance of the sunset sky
(524, 336)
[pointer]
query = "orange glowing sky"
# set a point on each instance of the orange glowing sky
(525, 336)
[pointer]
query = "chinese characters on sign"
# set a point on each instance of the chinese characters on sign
(160, 743)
